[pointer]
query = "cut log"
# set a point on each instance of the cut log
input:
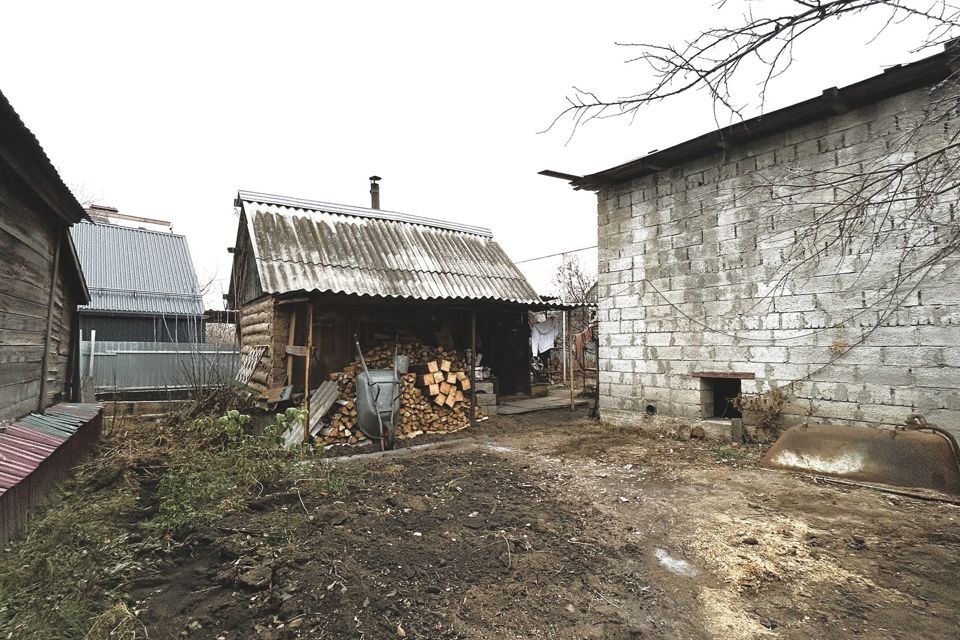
(446, 388)
(440, 399)
(451, 400)
(433, 367)
(438, 376)
(452, 378)
(465, 384)
(445, 365)
(433, 389)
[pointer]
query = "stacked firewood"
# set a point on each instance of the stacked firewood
(444, 385)
(441, 405)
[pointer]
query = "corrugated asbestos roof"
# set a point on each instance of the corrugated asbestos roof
(137, 271)
(301, 245)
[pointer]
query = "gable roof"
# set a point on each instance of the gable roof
(304, 245)
(21, 153)
(895, 80)
(24, 162)
(137, 271)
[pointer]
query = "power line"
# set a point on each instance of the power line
(553, 255)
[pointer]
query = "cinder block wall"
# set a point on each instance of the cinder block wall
(692, 245)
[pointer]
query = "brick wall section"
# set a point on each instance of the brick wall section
(697, 234)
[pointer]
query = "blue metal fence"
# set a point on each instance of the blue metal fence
(157, 366)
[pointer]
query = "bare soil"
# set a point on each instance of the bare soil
(550, 526)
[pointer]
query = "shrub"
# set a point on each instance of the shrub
(764, 409)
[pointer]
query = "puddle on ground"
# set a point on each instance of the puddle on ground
(675, 565)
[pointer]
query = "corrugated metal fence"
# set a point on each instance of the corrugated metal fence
(148, 366)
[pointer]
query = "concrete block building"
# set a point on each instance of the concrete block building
(699, 298)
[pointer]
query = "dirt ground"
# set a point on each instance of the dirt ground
(549, 526)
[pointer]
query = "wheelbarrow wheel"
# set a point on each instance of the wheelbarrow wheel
(387, 441)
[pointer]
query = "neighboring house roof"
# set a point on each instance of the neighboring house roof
(302, 245)
(893, 81)
(26, 163)
(137, 271)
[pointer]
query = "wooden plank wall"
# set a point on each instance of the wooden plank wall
(60, 358)
(27, 242)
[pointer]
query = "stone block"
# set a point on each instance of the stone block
(483, 386)
(486, 399)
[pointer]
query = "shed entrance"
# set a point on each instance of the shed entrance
(718, 395)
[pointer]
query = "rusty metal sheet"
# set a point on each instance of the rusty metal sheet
(300, 245)
(39, 450)
(889, 456)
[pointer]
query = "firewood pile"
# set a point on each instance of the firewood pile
(434, 397)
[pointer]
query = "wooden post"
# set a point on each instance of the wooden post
(290, 342)
(566, 323)
(473, 367)
(563, 345)
(45, 358)
(306, 373)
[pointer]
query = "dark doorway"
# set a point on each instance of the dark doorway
(720, 395)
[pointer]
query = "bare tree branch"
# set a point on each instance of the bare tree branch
(715, 57)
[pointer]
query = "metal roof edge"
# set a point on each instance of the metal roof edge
(169, 234)
(38, 171)
(893, 81)
(411, 299)
(359, 212)
(78, 268)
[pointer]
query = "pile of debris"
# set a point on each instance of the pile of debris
(432, 398)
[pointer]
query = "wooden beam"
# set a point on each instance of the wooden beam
(292, 328)
(734, 375)
(473, 367)
(45, 361)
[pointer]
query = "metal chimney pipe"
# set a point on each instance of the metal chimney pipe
(374, 192)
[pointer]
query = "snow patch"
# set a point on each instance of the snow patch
(838, 465)
(675, 565)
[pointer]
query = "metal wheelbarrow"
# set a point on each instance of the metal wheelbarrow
(378, 400)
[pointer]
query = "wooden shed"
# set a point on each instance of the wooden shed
(322, 273)
(41, 282)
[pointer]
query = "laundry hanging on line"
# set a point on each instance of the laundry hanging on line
(543, 335)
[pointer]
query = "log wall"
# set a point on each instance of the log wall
(256, 330)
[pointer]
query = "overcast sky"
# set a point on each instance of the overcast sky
(167, 112)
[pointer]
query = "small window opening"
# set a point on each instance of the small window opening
(718, 397)
(651, 410)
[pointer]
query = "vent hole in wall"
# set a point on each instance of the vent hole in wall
(651, 410)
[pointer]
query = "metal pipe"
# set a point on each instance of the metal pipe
(375, 192)
(93, 344)
(916, 422)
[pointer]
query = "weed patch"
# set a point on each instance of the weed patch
(149, 489)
